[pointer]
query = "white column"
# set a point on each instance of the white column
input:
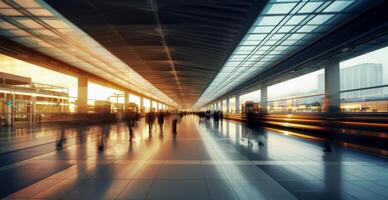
(263, 100)
(237, 106)
(332, 86)
(227, 105)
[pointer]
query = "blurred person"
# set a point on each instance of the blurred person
(131, 120)
(150, 118)
(161, 117)
(103, 137)
(62, 139)
(175, 119)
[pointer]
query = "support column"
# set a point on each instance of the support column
(32, 109)
(9, 109)
(157, 106)
(222, 106)
(332, 86)
(82, 105)
(237, 106)
(263, 100)
(126, 101)
(227, 105)
(151, 105)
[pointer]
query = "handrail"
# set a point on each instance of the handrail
(299, 97)
(365, 88)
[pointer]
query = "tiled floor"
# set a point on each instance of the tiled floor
(204, 161)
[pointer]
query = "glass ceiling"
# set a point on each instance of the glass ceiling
(35, 24)
(284, 27)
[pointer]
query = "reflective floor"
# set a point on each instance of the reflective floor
(205, 160)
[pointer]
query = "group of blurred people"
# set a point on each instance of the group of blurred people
(132, 119)
(161, 118)
(217, 115)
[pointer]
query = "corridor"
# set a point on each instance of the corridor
(205, 160)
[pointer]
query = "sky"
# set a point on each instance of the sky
(301, 85)
(38, 74)
(378, 56)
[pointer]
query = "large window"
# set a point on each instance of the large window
(147, 105)
(232, 105)
(134, 99)
(249, 99)
(301, 94)
(44, 80)
(364, 82)
(154, 106)
(224, 106)
(101, 96)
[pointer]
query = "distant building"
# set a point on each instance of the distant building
(361, 76)
(358, 76)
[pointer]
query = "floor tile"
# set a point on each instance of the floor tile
(178, 189)
(136, 189)
(97, 189)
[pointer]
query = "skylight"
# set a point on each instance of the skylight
(283, 27)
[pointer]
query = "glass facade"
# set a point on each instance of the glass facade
(295, 95)
(101, 96)
(224, 106)
(134, 99)
(154, 106)
(232, 105)
(249, 98)
(147, 105)
(364, 82)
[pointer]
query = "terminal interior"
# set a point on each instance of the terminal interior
(171, 99)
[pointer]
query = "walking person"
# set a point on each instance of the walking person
(131, 123)
(150, 120)
(175, 119)
(103, 137)
(161, 117)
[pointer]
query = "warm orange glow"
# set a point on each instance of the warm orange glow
(38, 74)
(134, 99)
(99, 92)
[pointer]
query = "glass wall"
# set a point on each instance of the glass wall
(134, 103)
(224, 106)
(134, 99)
(101, 97)
(43, 78)
(301, 94)
(364, 82)
(232, 105)
(249, 99)
(147, 105)
(154, 106)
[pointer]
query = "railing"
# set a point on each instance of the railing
(367, 99)
(363, 131)
(306, 103)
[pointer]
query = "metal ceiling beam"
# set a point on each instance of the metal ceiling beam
(368, 26)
